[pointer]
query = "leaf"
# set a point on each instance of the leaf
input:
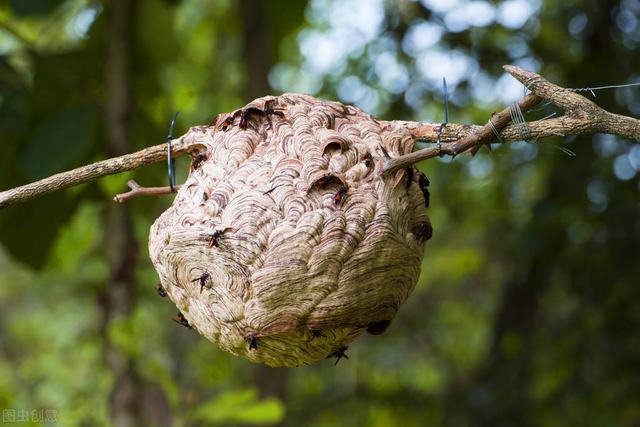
(239, 406)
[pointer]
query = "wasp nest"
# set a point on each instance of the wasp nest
(286, 243)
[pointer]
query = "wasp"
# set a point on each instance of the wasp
(273, 112)
(228, 121)
(316, 333)
(202, 279)
(181, 320)
(423, 183)
(248, 112)
(378, 327)
(340, 195)
(339, 354)
(197, 161)
(410, 172)
(214, 239)
(253, 341)
(269, 110)
(160, 290)
(422, 231)
(368, 161)
(325, 180)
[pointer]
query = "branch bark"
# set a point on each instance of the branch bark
(582, 116)
(586, 116)
(87, 173)
(137, 190)
(482, 135)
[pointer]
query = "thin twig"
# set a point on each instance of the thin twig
(90, 172)
(137, 191)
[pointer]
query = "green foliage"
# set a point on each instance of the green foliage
(64, 139)
(526, 312)
(241, 406)
(50, 327)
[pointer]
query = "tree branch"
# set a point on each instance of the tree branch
(137, 191)
(582, 116)
(587, 116)
(476, 138)
(90, 172)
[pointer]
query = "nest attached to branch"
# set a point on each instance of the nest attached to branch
(286, 243)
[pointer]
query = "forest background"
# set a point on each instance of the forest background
(527, 311)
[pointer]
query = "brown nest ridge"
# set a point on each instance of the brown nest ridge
(286, 243)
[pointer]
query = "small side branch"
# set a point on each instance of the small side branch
(90, 172)
(137, 191)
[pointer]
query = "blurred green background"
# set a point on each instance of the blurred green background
(528, 308)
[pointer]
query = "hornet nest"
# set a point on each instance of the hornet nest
(286, 243)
